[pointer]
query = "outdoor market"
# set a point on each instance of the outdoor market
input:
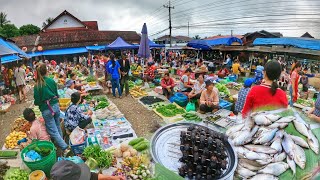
(225, 110)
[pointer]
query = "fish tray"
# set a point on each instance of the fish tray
(165, 148)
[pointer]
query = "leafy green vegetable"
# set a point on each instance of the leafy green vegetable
(169, 110)
(162, 173)
(91, 78)
(102, 105)
(104, 158)
(16, 174)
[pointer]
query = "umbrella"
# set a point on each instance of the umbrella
(144, 49)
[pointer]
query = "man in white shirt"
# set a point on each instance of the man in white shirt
(20, 75)
(70, 85)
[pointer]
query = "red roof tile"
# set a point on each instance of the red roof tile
(93, 25)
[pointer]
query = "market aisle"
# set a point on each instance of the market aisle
(143, 121)
(7, 119)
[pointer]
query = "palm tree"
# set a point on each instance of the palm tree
(196, 37)
(48, 21)
(3, 19)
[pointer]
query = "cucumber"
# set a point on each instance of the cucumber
(143, 146)
(138, 144)
(135, 141)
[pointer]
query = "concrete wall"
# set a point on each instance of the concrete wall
(65, 21)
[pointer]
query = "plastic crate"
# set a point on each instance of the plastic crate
(225, 104)
(64, 103)
(79, 148)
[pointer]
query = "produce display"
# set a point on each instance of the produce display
(21, 124)
(91, 79)
(266, 150)
(213, 118)
(37, 111)
(110, 112)
(305, 102)
(138, 92)
(125, 151)
(223, 90)
(16, 174)
(148, 100)
(204, 154)
(103, 158)
(169, 110)
(191, 117)
(131, 84)
(13, 138)
(3, 169)
(101, 105)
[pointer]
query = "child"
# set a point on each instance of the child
(242, 95)
(38, 129)
(75, 116)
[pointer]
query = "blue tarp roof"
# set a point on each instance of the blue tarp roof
(96, 48)
(305, 43)
(16, 48)
(64, 51)
(199, 44)
(154, 45)
(224, 41)
(34, 54)
(5, 49)
(10, 58)
(119, 43)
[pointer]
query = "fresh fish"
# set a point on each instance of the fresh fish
(279, 157)
(234, 135)
(273, 117)
(291, 164)
(244, 172)
(286, 119)
(301, 128)
(251, 155)
(299, 141)
(265, 137)
(287, 145)
(264, 177)
(261, 149)
(251, 165)
(313, 142)
(261, 119)
(275, 168)
(264, 162)
(248, 123)
(245, 137)
(241, 151)
(234, 129)
(278, 125)
(277, 145)
(299, 156)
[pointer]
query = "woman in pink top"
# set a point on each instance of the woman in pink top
(295, 78)
(38, 129)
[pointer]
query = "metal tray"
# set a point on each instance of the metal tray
(165, 149)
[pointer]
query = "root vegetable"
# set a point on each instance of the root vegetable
(124, 147)
(117, 153)
(126, 154)
(133, 152)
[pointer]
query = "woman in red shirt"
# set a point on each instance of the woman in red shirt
(266, 95)
(167, 84)
(295, 78)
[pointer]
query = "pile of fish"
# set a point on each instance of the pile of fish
(266, 150)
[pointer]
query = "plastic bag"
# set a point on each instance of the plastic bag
(191, 107)
(77, 136)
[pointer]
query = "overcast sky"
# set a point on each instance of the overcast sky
(205, 17)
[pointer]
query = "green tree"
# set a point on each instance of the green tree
(3, 19)
(29, 29)
(9, 31)
(48, 21)
(196, 37)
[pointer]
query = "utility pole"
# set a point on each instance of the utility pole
(231, 33)
(188, 29)
(170, 27)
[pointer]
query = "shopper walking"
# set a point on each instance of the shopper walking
(113, 68)
(20, 75)
(46, 97)
(124, 68)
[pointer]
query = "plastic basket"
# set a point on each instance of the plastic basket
(225, 104)
(46, 163)
(64, 102)
(79, 148)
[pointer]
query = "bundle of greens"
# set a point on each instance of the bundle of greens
(169, 110)
(103, 158)
(91, 78)
(223, 90)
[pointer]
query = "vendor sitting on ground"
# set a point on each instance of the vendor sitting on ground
(78, 85)
(37, 129)
(314, 114)
(209, 100)
(71, 89)
(223, 72)
(149, 73)
(167, 84)
(68, 170)
(74, 114)
(197, 88)
(185, 84)
(242, 95)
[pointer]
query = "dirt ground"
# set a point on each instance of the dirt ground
(143, 121)
(7, 119)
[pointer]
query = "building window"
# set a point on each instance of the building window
(65, 21)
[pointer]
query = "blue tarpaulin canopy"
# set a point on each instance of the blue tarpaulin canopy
(16, 48)
(96, 48)
(62, 51)
(5, 49)
(35, 54)
(305, 43)
(10, 58)
(224, 41)
(199, 44)
(154, 45)
(119, 43)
